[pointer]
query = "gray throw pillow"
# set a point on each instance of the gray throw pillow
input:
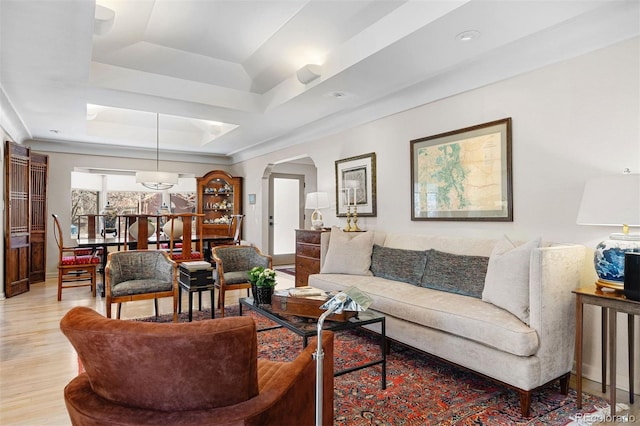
(398, 264)
(455, 273)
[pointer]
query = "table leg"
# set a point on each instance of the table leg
(383, 349)
(104, 268)
(579, 314)
(199, 300)
(213, 307)
(604, 325)
(190, 305)
(612, 358)
(631, 338)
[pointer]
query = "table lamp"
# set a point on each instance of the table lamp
(317, 201)
(612, 201)
(352, 299)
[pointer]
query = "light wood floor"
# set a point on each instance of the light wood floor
(36, 360)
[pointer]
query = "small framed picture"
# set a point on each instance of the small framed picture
(356, 185)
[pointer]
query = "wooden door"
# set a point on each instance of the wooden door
(17, 218)
(38, 225)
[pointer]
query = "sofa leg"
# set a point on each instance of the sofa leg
(564, 384)
(525, 403)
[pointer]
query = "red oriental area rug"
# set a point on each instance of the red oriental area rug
(421, 390)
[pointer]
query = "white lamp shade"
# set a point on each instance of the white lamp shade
(156, 179)
(611, 201)
(317, 200)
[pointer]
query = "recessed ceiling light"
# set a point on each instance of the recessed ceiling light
(56, 131)
(338, 94)
(468, 35)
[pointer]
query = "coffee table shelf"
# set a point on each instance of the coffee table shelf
(307, 328)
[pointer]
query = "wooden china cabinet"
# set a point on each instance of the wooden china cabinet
(219, 197)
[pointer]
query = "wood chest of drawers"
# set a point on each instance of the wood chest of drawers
(307, 254)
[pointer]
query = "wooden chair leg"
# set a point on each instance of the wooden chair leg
(108, 308)
(221, 301)
(119, 309)
(93, 282)
(59, 285)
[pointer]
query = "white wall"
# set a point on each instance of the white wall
(571, 121)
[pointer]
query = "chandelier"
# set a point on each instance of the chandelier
(157, 180)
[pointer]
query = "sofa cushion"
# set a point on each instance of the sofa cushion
(455, 273)
(507, 281)
(459, 315)
(398, 264)
(348, 253)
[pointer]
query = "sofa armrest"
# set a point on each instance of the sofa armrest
(554, 272)
(324, 246)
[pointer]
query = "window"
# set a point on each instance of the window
(130, 202)
(183, 202)
(83, 202)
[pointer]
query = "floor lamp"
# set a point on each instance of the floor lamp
(352, 299)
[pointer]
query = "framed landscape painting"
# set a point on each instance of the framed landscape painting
(463, 174)
(356, 185)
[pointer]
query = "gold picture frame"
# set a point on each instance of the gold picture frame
(356, 180)
(464, 174)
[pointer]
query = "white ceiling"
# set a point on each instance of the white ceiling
(222, 74)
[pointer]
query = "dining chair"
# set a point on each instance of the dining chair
(235, 228)
(233, 264)
(180, 246)
(76, 265)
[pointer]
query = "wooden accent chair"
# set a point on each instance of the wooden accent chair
(195, 373)
(141, 275)
(233, 264)
(76, 265)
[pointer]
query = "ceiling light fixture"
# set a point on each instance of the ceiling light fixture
(103, 20)
(157, 180)
(308, 73)
(468, 36)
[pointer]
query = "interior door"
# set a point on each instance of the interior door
(17, 218)
(38, 225)
(286, 214)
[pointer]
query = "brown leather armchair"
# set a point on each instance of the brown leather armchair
(204, 372)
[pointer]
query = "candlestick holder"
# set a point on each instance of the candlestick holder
(355, 228)
(348, 227)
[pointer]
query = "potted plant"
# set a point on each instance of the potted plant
(263, 281)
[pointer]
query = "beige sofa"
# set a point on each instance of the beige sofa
(516, 326)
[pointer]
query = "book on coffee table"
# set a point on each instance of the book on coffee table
(306, 291)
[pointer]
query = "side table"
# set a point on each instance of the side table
(611, 302)
(195, 276)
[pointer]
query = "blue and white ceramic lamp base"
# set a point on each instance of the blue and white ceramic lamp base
(609, 259)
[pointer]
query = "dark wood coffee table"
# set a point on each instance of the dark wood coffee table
(307, 328)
